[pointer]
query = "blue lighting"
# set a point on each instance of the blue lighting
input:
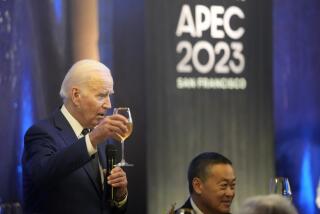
(306, 196)
(26, 112)
(58, 9)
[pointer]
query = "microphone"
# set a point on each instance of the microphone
(111, 152)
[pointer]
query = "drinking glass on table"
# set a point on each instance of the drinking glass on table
(281, 186)
(124, 111)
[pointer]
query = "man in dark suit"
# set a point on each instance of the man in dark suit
(211, 184)
(64, 155)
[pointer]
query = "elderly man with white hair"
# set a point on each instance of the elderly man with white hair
(64, 154)
(267, 204)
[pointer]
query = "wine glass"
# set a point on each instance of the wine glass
(281, 186)
(124, 111)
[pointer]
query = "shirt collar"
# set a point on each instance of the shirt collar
(76, 126)
(194, 207)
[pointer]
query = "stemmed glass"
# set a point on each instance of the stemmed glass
(281, 186)
(124, 111)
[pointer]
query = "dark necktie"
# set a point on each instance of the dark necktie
(94, 163)
(85, 131)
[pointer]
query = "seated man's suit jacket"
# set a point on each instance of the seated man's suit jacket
(187, 205)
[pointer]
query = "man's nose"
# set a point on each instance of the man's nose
(230, 192)
(106, 103)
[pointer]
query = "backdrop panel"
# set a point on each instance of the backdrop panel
(209, 88)
(34, 58)
(128, 72)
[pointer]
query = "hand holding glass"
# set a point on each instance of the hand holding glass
(124, 111)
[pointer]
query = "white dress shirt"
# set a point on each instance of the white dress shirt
(77, 128)
(194, 207)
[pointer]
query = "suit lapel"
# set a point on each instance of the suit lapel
(69, 137)
(90, 172)
(187, 204)
(65, 130)
(102, 156)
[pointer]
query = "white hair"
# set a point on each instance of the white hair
(267, 204)
(81, 72)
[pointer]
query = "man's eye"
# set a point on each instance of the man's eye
(223, 186)
(102, 96)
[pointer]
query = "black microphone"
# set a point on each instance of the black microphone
(111, 153)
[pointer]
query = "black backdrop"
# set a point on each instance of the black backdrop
(128, 73)
(183, 121)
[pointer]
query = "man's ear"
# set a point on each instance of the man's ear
(197, 185)
(75, 96)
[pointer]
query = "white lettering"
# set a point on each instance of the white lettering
(206, 46)
(211, 83)
(185, 23)
(202, 19)
(233, 11)
(217, 21)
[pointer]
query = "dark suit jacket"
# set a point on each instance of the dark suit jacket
(57, 174)
(187, 204)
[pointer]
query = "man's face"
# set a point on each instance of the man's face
(218, 189)
(94, 100)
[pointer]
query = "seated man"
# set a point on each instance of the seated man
(211, 184)
(269, 204)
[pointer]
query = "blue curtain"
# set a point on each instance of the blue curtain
(34, 57)
(296, 56)
(35, 53)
